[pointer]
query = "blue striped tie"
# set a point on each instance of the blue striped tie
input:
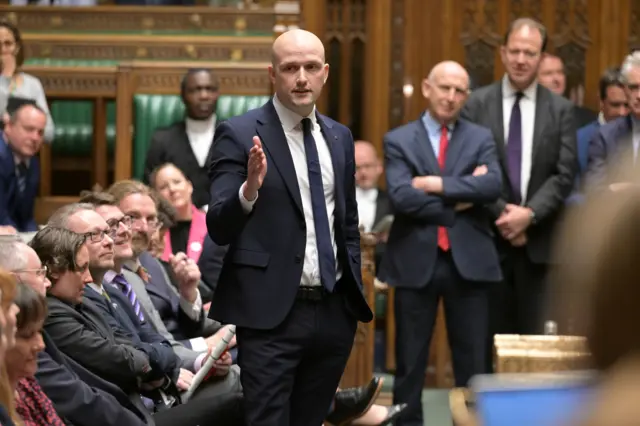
(127, 290)
(21, 172)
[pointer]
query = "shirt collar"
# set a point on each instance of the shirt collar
(291, 120)
(132, 265)
(433, 127)
(200, 126)
(109, 276)
(508, 91)
(370, 195)
(601, 120)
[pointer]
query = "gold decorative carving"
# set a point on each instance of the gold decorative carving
(240, 25)
(141, 52)
(115, 18)
(56, 21)
(148, 23)
(236, 55)
(191, 51)
(59, 81)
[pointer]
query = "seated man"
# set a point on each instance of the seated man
(19, 166)
(81, 332)
(178, 301)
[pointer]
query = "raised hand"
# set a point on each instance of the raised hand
(256, 170)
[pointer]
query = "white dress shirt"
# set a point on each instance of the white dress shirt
(635, 138)
(200, 134)
(291, 124)
(528, 113)
(367, 205)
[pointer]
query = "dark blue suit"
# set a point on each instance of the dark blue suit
(609, 143)
(292, 352)
(127, 329)
(421, 272)
(17, 209)
(80, 396)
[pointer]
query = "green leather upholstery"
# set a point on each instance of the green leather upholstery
(74, 127)
(153, 111)
(381, 305)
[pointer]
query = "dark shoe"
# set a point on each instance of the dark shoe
(392, 413)
(352, 403)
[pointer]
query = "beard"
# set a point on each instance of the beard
(139, 243)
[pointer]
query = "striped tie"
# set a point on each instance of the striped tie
(127, 290)
(21, 172)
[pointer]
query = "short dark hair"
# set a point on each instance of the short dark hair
(154, 173)
(97, 198)
(611, 77)
(527, 22)
(192, 71)
(18, 38)
(32, 305)
(57, 249)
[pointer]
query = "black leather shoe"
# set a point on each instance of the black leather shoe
(352, 403)
(393, 412)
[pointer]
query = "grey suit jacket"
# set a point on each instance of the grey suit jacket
(187, 355)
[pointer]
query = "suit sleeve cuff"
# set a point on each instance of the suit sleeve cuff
(247, 205)
(197, 365)
(198, 344)
(193, 310)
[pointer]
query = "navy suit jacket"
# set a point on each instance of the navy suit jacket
(262, 270)
(408, 153)
(167, 302)
(80, 396)
(16, 209)
(608, 144)
(120, 315)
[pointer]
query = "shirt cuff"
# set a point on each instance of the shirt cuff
(193, 310)
(247, 205)
(198, 344)
(197, 364)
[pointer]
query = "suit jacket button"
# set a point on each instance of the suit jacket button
(298, 258)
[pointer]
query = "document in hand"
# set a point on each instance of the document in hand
(384, 225)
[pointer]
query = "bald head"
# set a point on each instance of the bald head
(368, 166)
(446, 88)
(298, 70)
(295, 40)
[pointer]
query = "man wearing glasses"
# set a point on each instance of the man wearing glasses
(618, 140)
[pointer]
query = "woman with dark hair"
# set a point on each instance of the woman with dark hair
(32, 405)
(14, 82)
(8, 312)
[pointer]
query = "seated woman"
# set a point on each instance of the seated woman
(8, 312)
(21, 361)
(14, 82)
(190, 229)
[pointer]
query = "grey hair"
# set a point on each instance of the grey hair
(12, 256)
(60, 218)
(630, 62)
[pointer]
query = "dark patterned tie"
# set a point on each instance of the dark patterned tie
(127, 290)
(326, 257)
(21, 172)
(514, 148)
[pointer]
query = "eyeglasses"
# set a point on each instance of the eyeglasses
(40, 272)
(152, 223)
(98, 236)
(114, 225)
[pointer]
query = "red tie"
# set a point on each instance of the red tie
(443, 238)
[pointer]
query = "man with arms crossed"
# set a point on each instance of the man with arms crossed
(283, 198)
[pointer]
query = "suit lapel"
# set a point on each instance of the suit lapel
(541, 121)
(274, 142)
(497, 118)
(382, 206)
(455, 147)
(424, 150)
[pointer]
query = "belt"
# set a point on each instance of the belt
(311, 293)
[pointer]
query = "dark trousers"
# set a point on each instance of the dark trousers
(465, 307)
(290, 374)
(224, 410)
(516, 305)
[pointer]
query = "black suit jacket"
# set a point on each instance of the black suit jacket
(81, 333)
(263, 268)
(413, 240)
(81, 397)
(171, 145)
(554, 164)
(210, 262)
(119, 314)
(383, 208)
(583, 116)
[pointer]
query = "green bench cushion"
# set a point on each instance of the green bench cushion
(154, 111)
(381, 305)
(74, 127)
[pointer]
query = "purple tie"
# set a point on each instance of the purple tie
(127, 290)
(514, 148)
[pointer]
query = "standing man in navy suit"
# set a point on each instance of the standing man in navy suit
(283, 199)
(20, 143)
(440, 172)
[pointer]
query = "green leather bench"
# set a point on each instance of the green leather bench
(153, 111)
(74, 118)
